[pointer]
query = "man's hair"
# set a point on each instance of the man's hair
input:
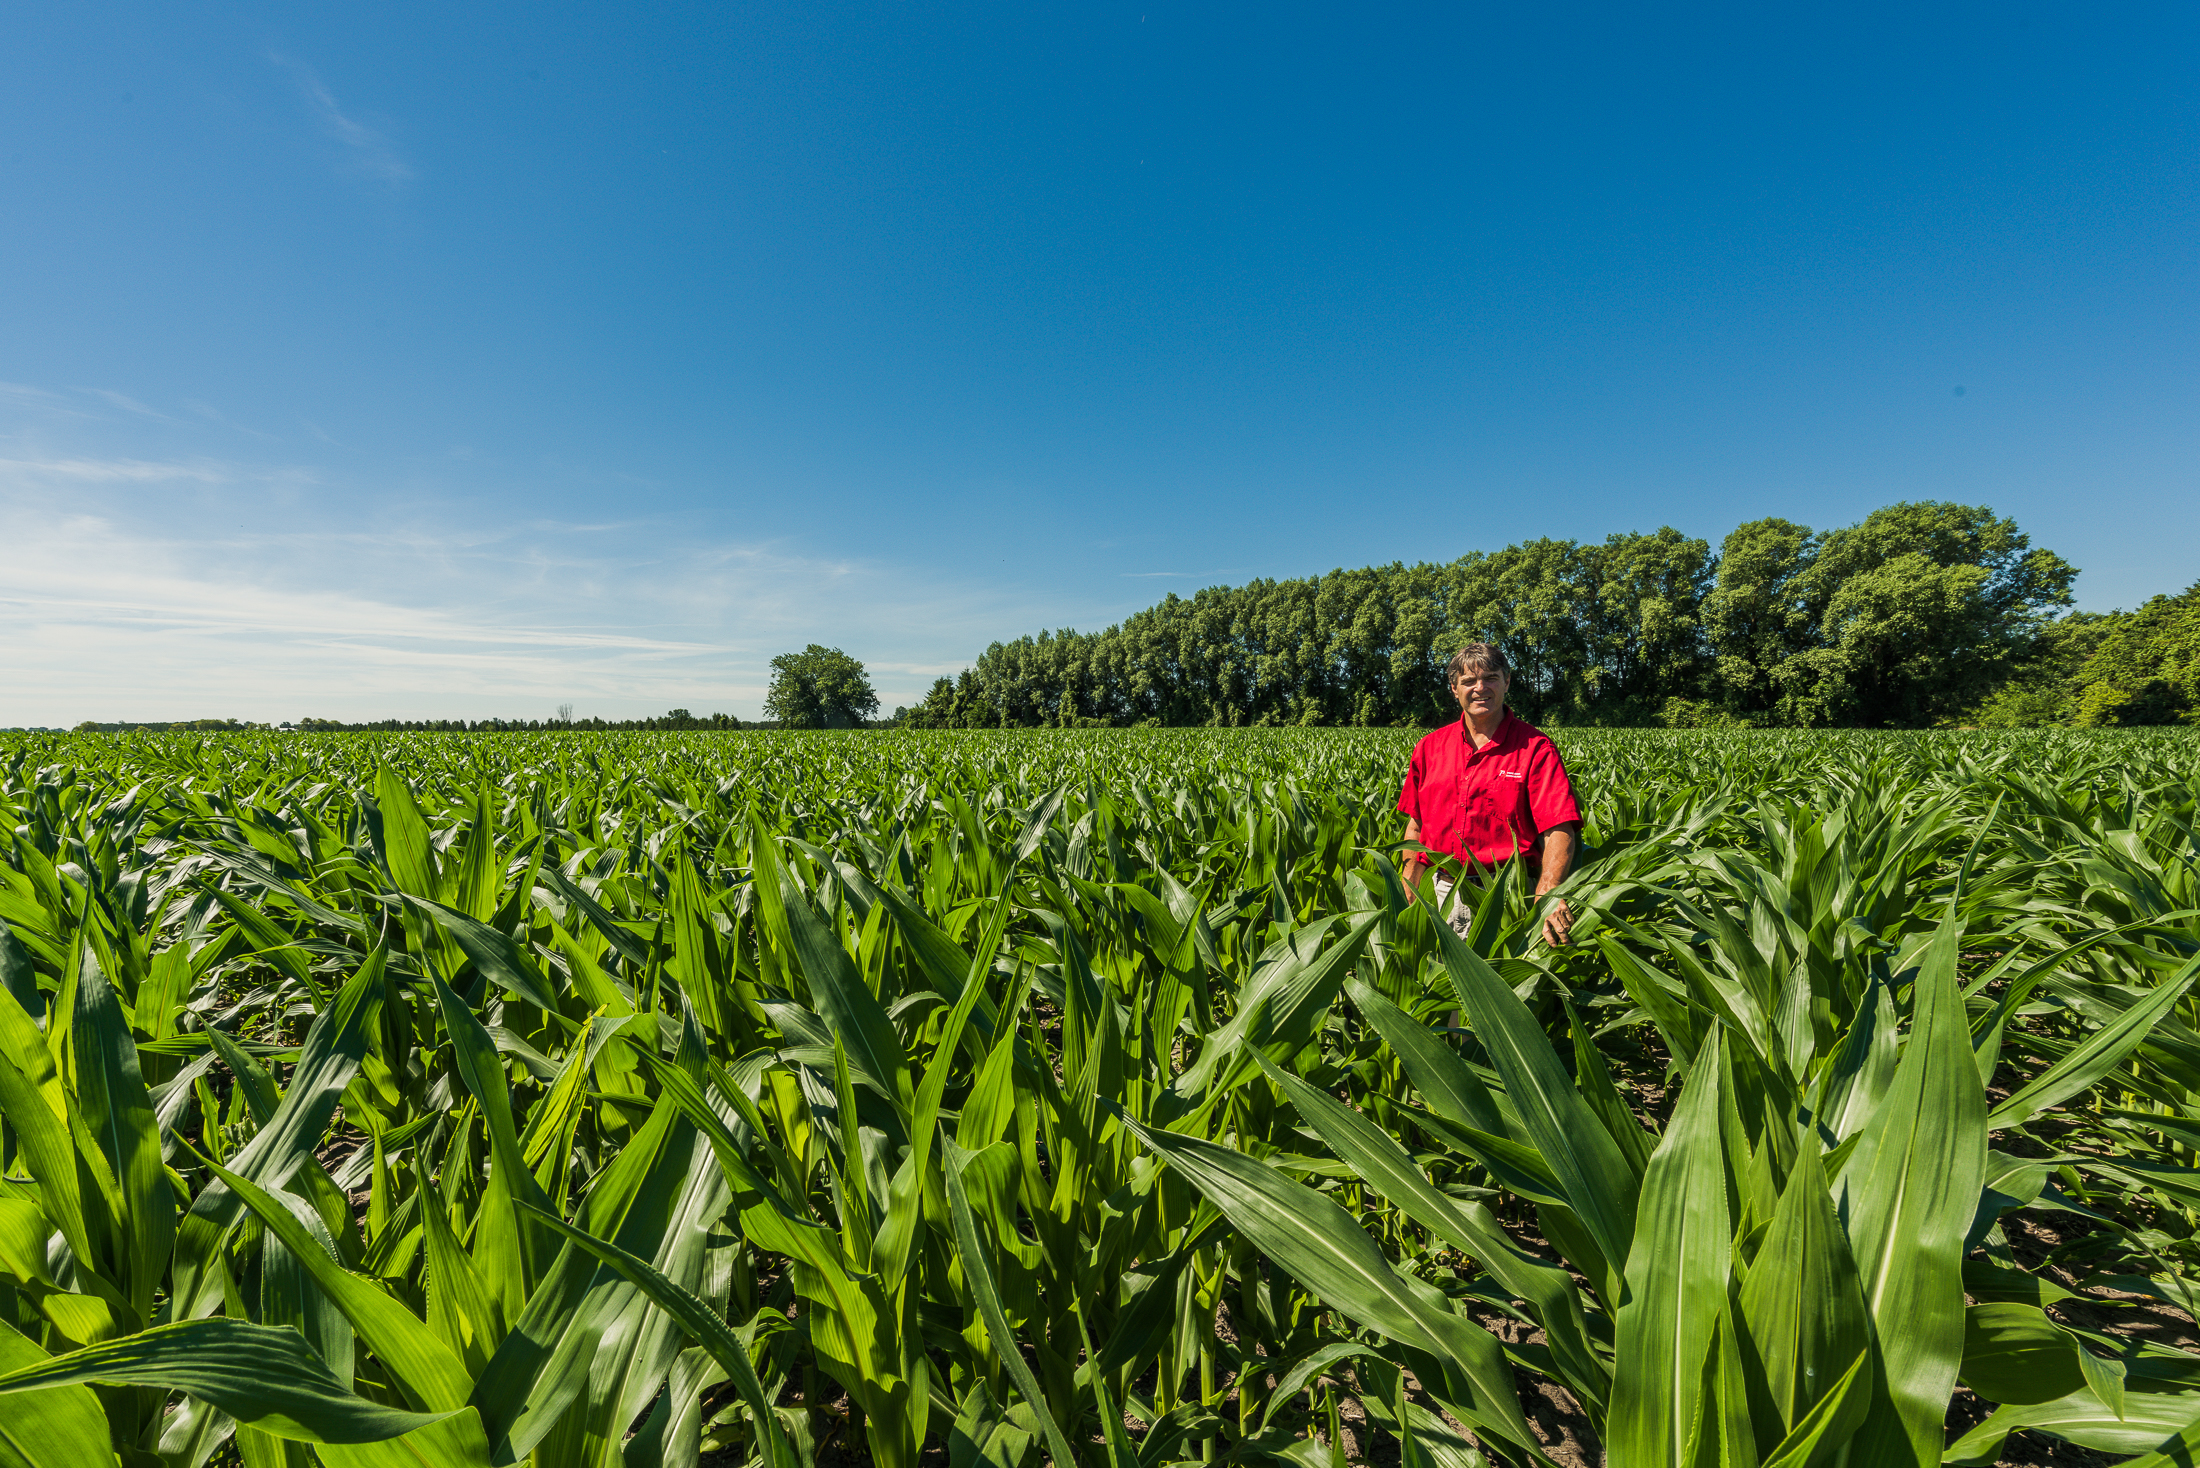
(1477, 657)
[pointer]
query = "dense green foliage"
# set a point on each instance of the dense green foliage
(673, 720)
(1907, 619)
(2146, 666)
(2129, 669)
(819, 688)
(1089, 1097)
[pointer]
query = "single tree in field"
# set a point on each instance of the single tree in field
(819, 688)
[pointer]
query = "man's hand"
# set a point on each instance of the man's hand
(1558, 858)
(1410, 869)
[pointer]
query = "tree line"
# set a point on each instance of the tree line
(675, 719)
(1918, 615)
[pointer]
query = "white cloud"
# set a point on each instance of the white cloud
(99, 619)
(127, 403)
(38, 401)
(114, 471)
(158, 586)
(253, 604)
(369, 149)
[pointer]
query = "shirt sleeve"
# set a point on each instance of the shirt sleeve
(1550, 793)
(1409, 794)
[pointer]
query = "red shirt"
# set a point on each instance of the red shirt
(1487, 805)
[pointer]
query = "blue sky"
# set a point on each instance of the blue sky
(448, 360)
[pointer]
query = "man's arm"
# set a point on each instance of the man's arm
(1409, 870)
(1557, 847)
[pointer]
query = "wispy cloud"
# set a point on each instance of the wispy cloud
(101, 619)
(213, 414)
(143, 584)
(127, 403)
(1213, 574)
(370, 150)
(240, 600)
(38, 402)
(114, 471)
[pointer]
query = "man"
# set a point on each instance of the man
(1490, 789)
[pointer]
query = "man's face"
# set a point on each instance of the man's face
(1481, 694)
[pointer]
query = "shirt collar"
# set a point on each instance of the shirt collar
(1499, 737)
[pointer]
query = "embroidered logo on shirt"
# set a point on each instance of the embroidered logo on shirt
(1513, 774)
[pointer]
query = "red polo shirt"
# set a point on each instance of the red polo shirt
(1486, 805)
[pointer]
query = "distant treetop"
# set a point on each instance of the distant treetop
(820, 688)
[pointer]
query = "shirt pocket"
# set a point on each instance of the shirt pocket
(1510, 789)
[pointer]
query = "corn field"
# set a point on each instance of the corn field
(990, 1100)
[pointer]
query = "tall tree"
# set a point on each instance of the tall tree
(1756, 618)
(1921, 608)
(819, 688)
(2145, 668)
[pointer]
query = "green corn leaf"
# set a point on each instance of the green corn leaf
(460, 1308)
(289, 1296)
(59, 1427)
(279, 948)
(1142, 1329)
(481, 1067)
(1986, 1033)
(905, 1201)
(985, 1290)
(500, 960)
(405, 843)
(855, 1200)
(261, 1094)
(990, 1105)
(267, 1378)
(1832, 1422)
(696, 1318)
(24, 1230)
(37, 1110)
(477, 872)
(1279, 1010)
(1593, 1080)
(850, 1010)
(1392, 1172)
(2180, 1450)
(944, 964)
(773, 1221)
(1679, 1026)
(2014, 1353)
(1913, 1184)
(630, 947)
(1600, 1187)
(544, 1364)
(1801, 1304)
(677, 1207)
(1302, 1373)
(17, 973)
(1676, 1280)
(2093, 1058)
(2163, 1425)
(1446, 1083)
(1320, 1245)
(426, 1369)
(327, 1061)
